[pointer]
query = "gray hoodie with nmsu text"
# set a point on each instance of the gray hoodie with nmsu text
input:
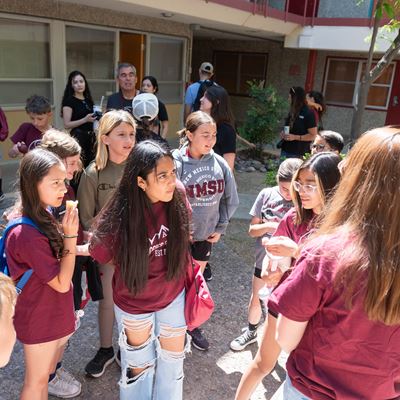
(210, 189)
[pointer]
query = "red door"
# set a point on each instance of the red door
(393, 112)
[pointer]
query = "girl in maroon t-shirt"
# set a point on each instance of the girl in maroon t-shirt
(312, 184)
(144, 230)
(339, 310)
(44, 314)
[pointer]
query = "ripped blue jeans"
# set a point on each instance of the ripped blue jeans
(162, 377)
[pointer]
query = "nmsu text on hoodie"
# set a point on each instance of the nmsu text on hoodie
(210, 189)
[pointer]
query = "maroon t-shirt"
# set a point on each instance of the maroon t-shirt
(342, 354)
(158, 292)
(26, 133)
(41, 313)
(288, 228)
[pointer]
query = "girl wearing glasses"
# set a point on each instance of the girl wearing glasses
(344, 334)
(312, 185)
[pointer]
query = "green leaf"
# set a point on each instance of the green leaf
(378, 13)
(389, 10)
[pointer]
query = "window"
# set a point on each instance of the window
(342, 80)
(166, 64)
(233, 70)
(91, 51)
(24, 62)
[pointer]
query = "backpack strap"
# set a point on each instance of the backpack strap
(18, 221)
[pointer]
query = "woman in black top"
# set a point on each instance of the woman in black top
(77, 113)
(302, 126)
(215, 102)
(160, 124)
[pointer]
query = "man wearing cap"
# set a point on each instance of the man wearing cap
(206, 72)
(127, 79)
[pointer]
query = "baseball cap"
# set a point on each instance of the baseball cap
(145, 105)
(207, 67)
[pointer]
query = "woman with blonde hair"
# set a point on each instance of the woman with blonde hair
(115, 140)
(340, 308)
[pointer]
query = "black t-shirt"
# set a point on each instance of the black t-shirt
(302, 123)
(80, 108)
(162, 111)
(226, 139)
(118, 102)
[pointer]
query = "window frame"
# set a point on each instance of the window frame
(361, 62)
(48, 22)
(182, 81)
(239, 64)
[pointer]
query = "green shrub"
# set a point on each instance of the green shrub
(264, 115)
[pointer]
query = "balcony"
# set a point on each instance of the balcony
(309, 12)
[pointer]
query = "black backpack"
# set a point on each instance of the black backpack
(204, 85)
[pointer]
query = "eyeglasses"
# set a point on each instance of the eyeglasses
(317, 147)
(305, 188)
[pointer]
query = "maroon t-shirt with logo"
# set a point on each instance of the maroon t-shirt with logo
(158, 292)
(41, 313)
(28, 134)
(342, 354)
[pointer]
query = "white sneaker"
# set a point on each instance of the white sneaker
(64, 389)
(66, 376)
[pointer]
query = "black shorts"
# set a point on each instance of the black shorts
(201, 251)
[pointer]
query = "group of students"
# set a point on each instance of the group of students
(327, 242)
(141, 231)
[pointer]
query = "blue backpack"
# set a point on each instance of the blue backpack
(3, 258)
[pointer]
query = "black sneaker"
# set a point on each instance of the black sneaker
(103, 358)
(246, 338)
(207, 273)
(198, 339)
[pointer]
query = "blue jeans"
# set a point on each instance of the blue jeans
(291, 393)
(162, 377)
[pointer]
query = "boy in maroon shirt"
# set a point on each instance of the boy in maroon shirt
(39, 110)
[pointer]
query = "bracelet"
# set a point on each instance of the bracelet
(70, 236)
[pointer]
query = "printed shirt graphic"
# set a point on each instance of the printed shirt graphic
(269, 206)
(205, 186)
(158, 292)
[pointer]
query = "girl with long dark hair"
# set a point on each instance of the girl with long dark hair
(344, 334)
(216, 103)
(44, 314)
(116, 138)
(312, 186)
(302, 126)
(144, 231)
(77, 113)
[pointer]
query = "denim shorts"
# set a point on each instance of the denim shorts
(162, 375)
